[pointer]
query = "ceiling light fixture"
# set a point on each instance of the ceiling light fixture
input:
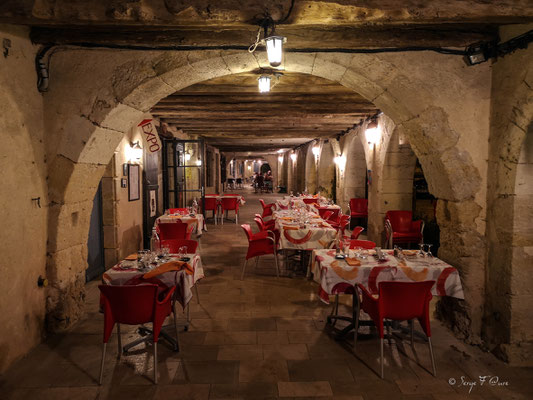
(274, 46)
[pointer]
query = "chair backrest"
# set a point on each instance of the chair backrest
(260, 180)
(323, 210)
(178, 211)
(326, 215)
(229, 203)
(344, 220)
(400, 220)
(356, 232)
(260, 224)
(309, 200)
(404, 300)
(172, 230)
(359, 205)
(175, 244)
(263, 204)
(365, 244)
(248, 231)
(210, 203)
(130, 304)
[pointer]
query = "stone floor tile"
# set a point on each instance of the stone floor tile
(295, 324)
(118, 392)
(253, 390)
(185, 391)
(304, 389)
(252, 324)
(55, 393)
(272, 337)
(263, 371)
(240, 352)
(315, 370)
(208, 325)
(246, 337)
(209, 372)
(285, 352)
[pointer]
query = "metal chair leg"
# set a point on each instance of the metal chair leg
(119, 338)
(236, 218)
(277, 264)
(243, 269)
(175, 324)
(355, 315)
(102, 364)
(432, 357)
(381, 356)
(155, 362)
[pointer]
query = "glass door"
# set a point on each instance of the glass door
(183, 173)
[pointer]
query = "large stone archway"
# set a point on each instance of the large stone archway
(89, 116)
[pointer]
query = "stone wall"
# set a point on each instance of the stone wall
(24, 222)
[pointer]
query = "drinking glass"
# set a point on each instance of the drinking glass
(428, 252)
(358, 251)
(346, 247)
(421, 253)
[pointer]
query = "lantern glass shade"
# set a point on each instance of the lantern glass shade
(264, 84)
(274, 46)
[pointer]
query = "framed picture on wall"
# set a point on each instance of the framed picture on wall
(134, 189)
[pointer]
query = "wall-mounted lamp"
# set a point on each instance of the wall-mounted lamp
(316, 151)
(280, 159)
(372, 132)
(134, 152)
(340, 161)
(264, 84)
(199, 162)
(187, 156)
(293, 157)
(280, 151)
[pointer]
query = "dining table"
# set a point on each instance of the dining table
(341, 276)
(219, 197)
(196, 220)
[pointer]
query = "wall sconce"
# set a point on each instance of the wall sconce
(134, 152)
(280, 159)
(340, 161)
(293, 157)
(316, 151)
(187, 156)
(264, 84)
(372, 133)
(199, 162)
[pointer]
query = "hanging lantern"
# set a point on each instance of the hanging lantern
(264, 84)
(274, 46)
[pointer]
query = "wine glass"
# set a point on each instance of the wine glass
(428, 253)
(421, 253)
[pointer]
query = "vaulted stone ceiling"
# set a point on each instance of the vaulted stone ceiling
(232, 114)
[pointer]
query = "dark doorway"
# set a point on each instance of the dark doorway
(95, 242)
(265, 168)
(150, 194)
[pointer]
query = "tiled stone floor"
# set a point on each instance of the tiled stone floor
(258, 338)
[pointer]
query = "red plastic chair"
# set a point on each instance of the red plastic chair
(400, 228)
(229, 203)
(174, 230)
(323, 210)
(175, 244)
(365, 244)
(259, 244)
(135, 305)
(178, 211)
(399, 301)
(310, 201)
(270, 224)
(326, 216)
(263, 228)
(359, 208)
(267, 208)
(211, 204)
(356, 232)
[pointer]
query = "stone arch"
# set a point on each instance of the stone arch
(326, 171)
(355, 171)
(508, 329)
(100, 110)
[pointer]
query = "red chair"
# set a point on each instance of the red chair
(399, 301)
(356, 232)
(400, 228)
(263, 228)
(174, 230)
(135, 305)
(259, 244)
(229, 203)
(344, 221)
(178, 211)
(323, 210)
(310, 201)
(365, 244)
(267, 208)
(359, 208)
(270, 224)
(175, 244)
(211, 204)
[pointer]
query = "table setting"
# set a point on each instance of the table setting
(190, 218)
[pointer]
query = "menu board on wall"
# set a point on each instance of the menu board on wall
(133, 182)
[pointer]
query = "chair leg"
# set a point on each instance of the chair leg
(243, 269)
(155, 362)
(432, 357)
(119, 339)
(215, 216)
(276, 261)
(256, 262)
(236, 218)
(188, 313)
(222, 217)
(102, 365)
(175, 324)
(381, 356)
(355, 316)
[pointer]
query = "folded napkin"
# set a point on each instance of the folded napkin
(166, 267)
(290, 228)
(353, 262)
(286, 218)
(131, 257)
